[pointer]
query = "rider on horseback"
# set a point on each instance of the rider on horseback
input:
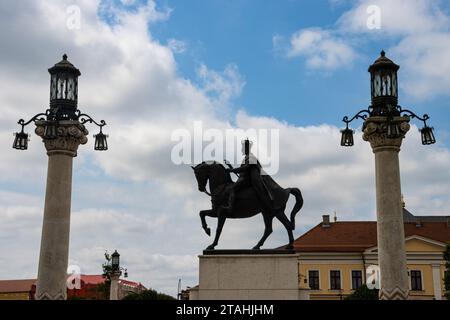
(249, 173)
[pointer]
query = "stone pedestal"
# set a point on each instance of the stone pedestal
(54, 254)
(246, 275)
(390, 228)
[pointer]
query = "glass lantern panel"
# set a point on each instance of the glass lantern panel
(61, 94)
(53, 87)
(386, 85)
(377, 85)
(394, 84)
(71, 88)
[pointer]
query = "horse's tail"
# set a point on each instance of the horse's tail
(298, 204)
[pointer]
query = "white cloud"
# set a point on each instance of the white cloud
(425, 64)
(177, 46)
(398, 17)
(321, 49)
(419, 29)
(224, 85)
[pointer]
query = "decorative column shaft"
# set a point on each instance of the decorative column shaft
(54, 254)
(390, 228)
(114, 291)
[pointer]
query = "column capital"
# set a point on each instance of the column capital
(69, 135)
(375, 131)
(115, 275)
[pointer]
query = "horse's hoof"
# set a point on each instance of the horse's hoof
(256, 248)
(290, 247)
(211, 247)
(208, 231)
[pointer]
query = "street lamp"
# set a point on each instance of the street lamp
(63, 107)
(385, 125)
(384, 92)
(62, 129)
(112, 270)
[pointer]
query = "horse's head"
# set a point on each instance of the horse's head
(201, 172)
(212, 171)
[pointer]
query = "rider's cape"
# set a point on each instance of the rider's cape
(270, 193)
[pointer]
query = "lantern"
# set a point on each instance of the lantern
(427, 135)
(100, 141)
(21, 140)
(115, 261)
(383, 84)
(347, 137)
(64, 89)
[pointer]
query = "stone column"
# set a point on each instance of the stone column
(114, 291)
(390, 227)
(54, 255)
(437, 280)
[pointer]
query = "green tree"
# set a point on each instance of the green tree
(447, 272)
(363, 293)
(102, 290)
(148, 295)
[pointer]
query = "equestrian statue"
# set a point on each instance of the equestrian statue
(254, 192)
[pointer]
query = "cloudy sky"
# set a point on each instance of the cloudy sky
(151, 67)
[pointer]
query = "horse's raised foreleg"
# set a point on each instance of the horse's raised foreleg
(287, 224)
(203, 214)
(220, 222)
(267, 230)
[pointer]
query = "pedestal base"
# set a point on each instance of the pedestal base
(255, 275)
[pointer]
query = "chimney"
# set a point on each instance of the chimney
(326, 221)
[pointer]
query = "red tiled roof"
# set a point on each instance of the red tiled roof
(92, 278)
(131, 283)
(25, 285)
(10, 286)
(356, 236)
(97, 279)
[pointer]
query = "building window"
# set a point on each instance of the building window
(356, 279)
(416, 280)
(335, 280)
(313, 276)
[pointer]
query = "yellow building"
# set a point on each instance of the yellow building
(16, 289)
(333, 256)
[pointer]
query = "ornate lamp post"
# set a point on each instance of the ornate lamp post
(385, 125)
(113, 271)
(62, 130)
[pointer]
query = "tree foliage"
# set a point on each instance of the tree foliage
(363, 293)
(148, 295)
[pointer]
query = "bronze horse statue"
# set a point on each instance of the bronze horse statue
(247, 202)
